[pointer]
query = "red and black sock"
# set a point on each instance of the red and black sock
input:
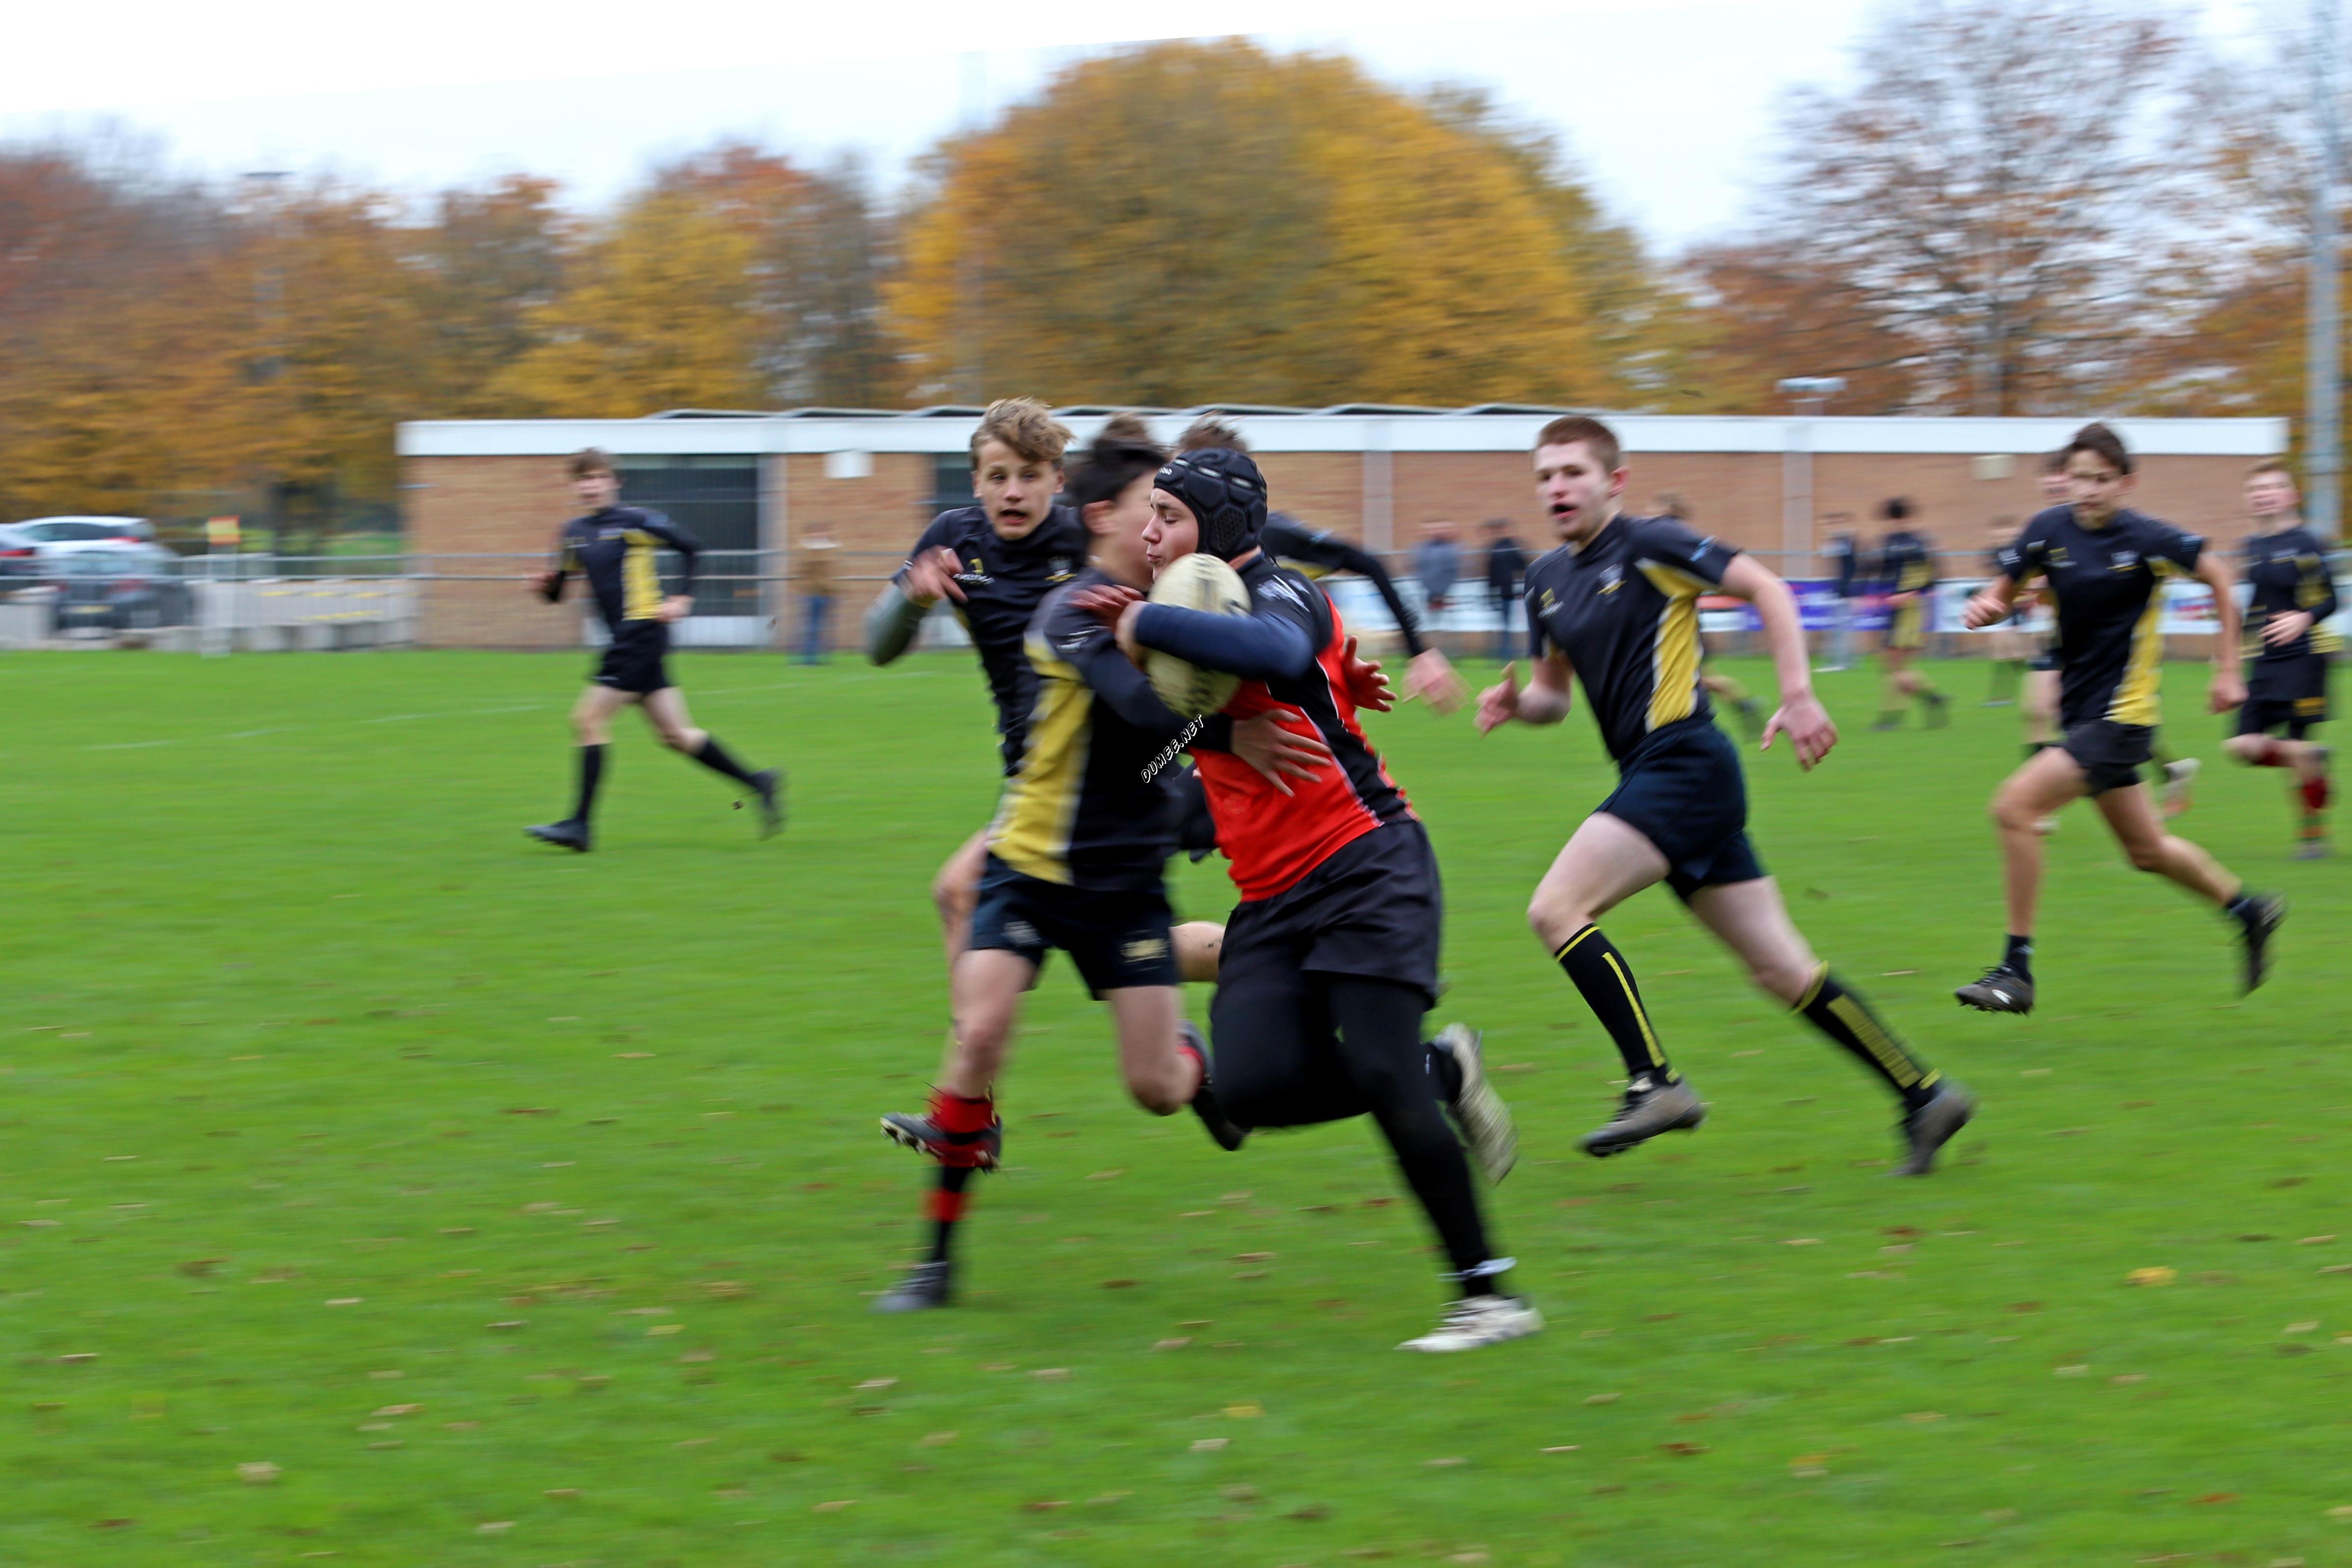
(963, 1122)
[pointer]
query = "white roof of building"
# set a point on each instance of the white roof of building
(1354, 427)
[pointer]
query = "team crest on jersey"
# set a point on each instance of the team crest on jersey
(1058, 569)
(1613, 577)
(1548, 603)
(2123, 559)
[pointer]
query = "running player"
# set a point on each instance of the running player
(613, 547)
(1076, 859)
(1317, 552)
(1907, 577)
(2103, 562)
(1616, 607)
(1331, 958)
(2009, 646)
(2293, 596)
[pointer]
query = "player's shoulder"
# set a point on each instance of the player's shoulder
(2149, 527)
(1552, 561)
(639, 517)
(1676, 542)
(2048, 519)
(954, 523)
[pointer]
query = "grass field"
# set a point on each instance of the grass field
(509, 1207)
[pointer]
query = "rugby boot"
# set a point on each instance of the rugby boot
(564, 835)
(2259, 914)
(2000, 990)
(1650, 1108)
(983, 1150)
(1477, 1321)
(1478, 1111)
(2180, 786)
(1930, 1127)
(927, 1285)
(1227, 1134)
(769, 783)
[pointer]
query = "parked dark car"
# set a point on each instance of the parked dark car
(129, 587)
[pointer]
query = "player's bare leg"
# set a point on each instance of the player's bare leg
(1198, 944)
(1752, 920)
(666, 712)
(2308, 794)
(2132, 816)
(1604, 862)
(591, 728)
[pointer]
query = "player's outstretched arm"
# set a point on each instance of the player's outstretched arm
(896, 613)
(1545, 700)
(1800, 716)
(2227, 688)
(1338, 555)
(1989, 603)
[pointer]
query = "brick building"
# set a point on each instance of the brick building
(482, 499)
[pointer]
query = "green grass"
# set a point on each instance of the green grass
(294, 1017)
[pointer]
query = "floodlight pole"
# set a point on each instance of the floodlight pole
(2322, 418)
(1812, 394)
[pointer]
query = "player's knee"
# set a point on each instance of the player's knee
(1554, 916)
(2147, 854)
(1158, 1091)
(688, 741)
(1786, 982)
(2246, 748)
(2011, 809)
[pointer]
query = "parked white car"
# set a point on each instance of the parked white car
(31, 549)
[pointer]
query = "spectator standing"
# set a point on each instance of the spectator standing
(1507, 566)
(1845, 563)
(1438, 564)
(813, 574)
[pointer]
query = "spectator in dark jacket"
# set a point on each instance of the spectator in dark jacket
(1438, 564)
(1506, 565)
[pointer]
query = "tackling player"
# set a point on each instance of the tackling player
(2103, 563)
(1076, 859)
(1615, 607)
(1330, 957)
(613, 547)
(2293, 596)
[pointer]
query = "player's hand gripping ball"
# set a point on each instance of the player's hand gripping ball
(1200, 582)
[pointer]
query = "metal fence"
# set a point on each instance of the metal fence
(755, 599)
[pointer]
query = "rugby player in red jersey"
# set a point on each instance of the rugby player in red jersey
(1331, 958)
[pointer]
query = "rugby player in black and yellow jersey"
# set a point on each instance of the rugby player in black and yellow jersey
(1907, 571)
(2103, 564)
(2290, 597)
(1616, 608)
(1076, 859)
(613, 547)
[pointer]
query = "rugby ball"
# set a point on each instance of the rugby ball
(1201, 582)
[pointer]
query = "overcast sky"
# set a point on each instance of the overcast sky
(1668, 105)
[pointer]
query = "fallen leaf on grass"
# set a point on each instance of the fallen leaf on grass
(938, 1439)
(835, 1506)
(1171, 1343)
(344, 1300)
(2076, 1371)
(494, 1526)
(1107, 1176)
(1052, 1374)
(1209, 1445)
(879, 1383)
(2302, 1328)
(1602, 1398)
(1684, 1449)
(1925, 1416)
(2157, 1276)
(1445, 1463)
(397, 1410)
(113, 1523)
(1245, 1412)
(1047, 1506)
(2216, 1497)
(259, 1473)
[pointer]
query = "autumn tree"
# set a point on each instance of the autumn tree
(1995, 207)
(1194, 221)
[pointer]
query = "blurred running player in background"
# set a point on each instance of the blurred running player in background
(2104, 563)
(1907, 571)
(612, 547)
(2293, 597)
